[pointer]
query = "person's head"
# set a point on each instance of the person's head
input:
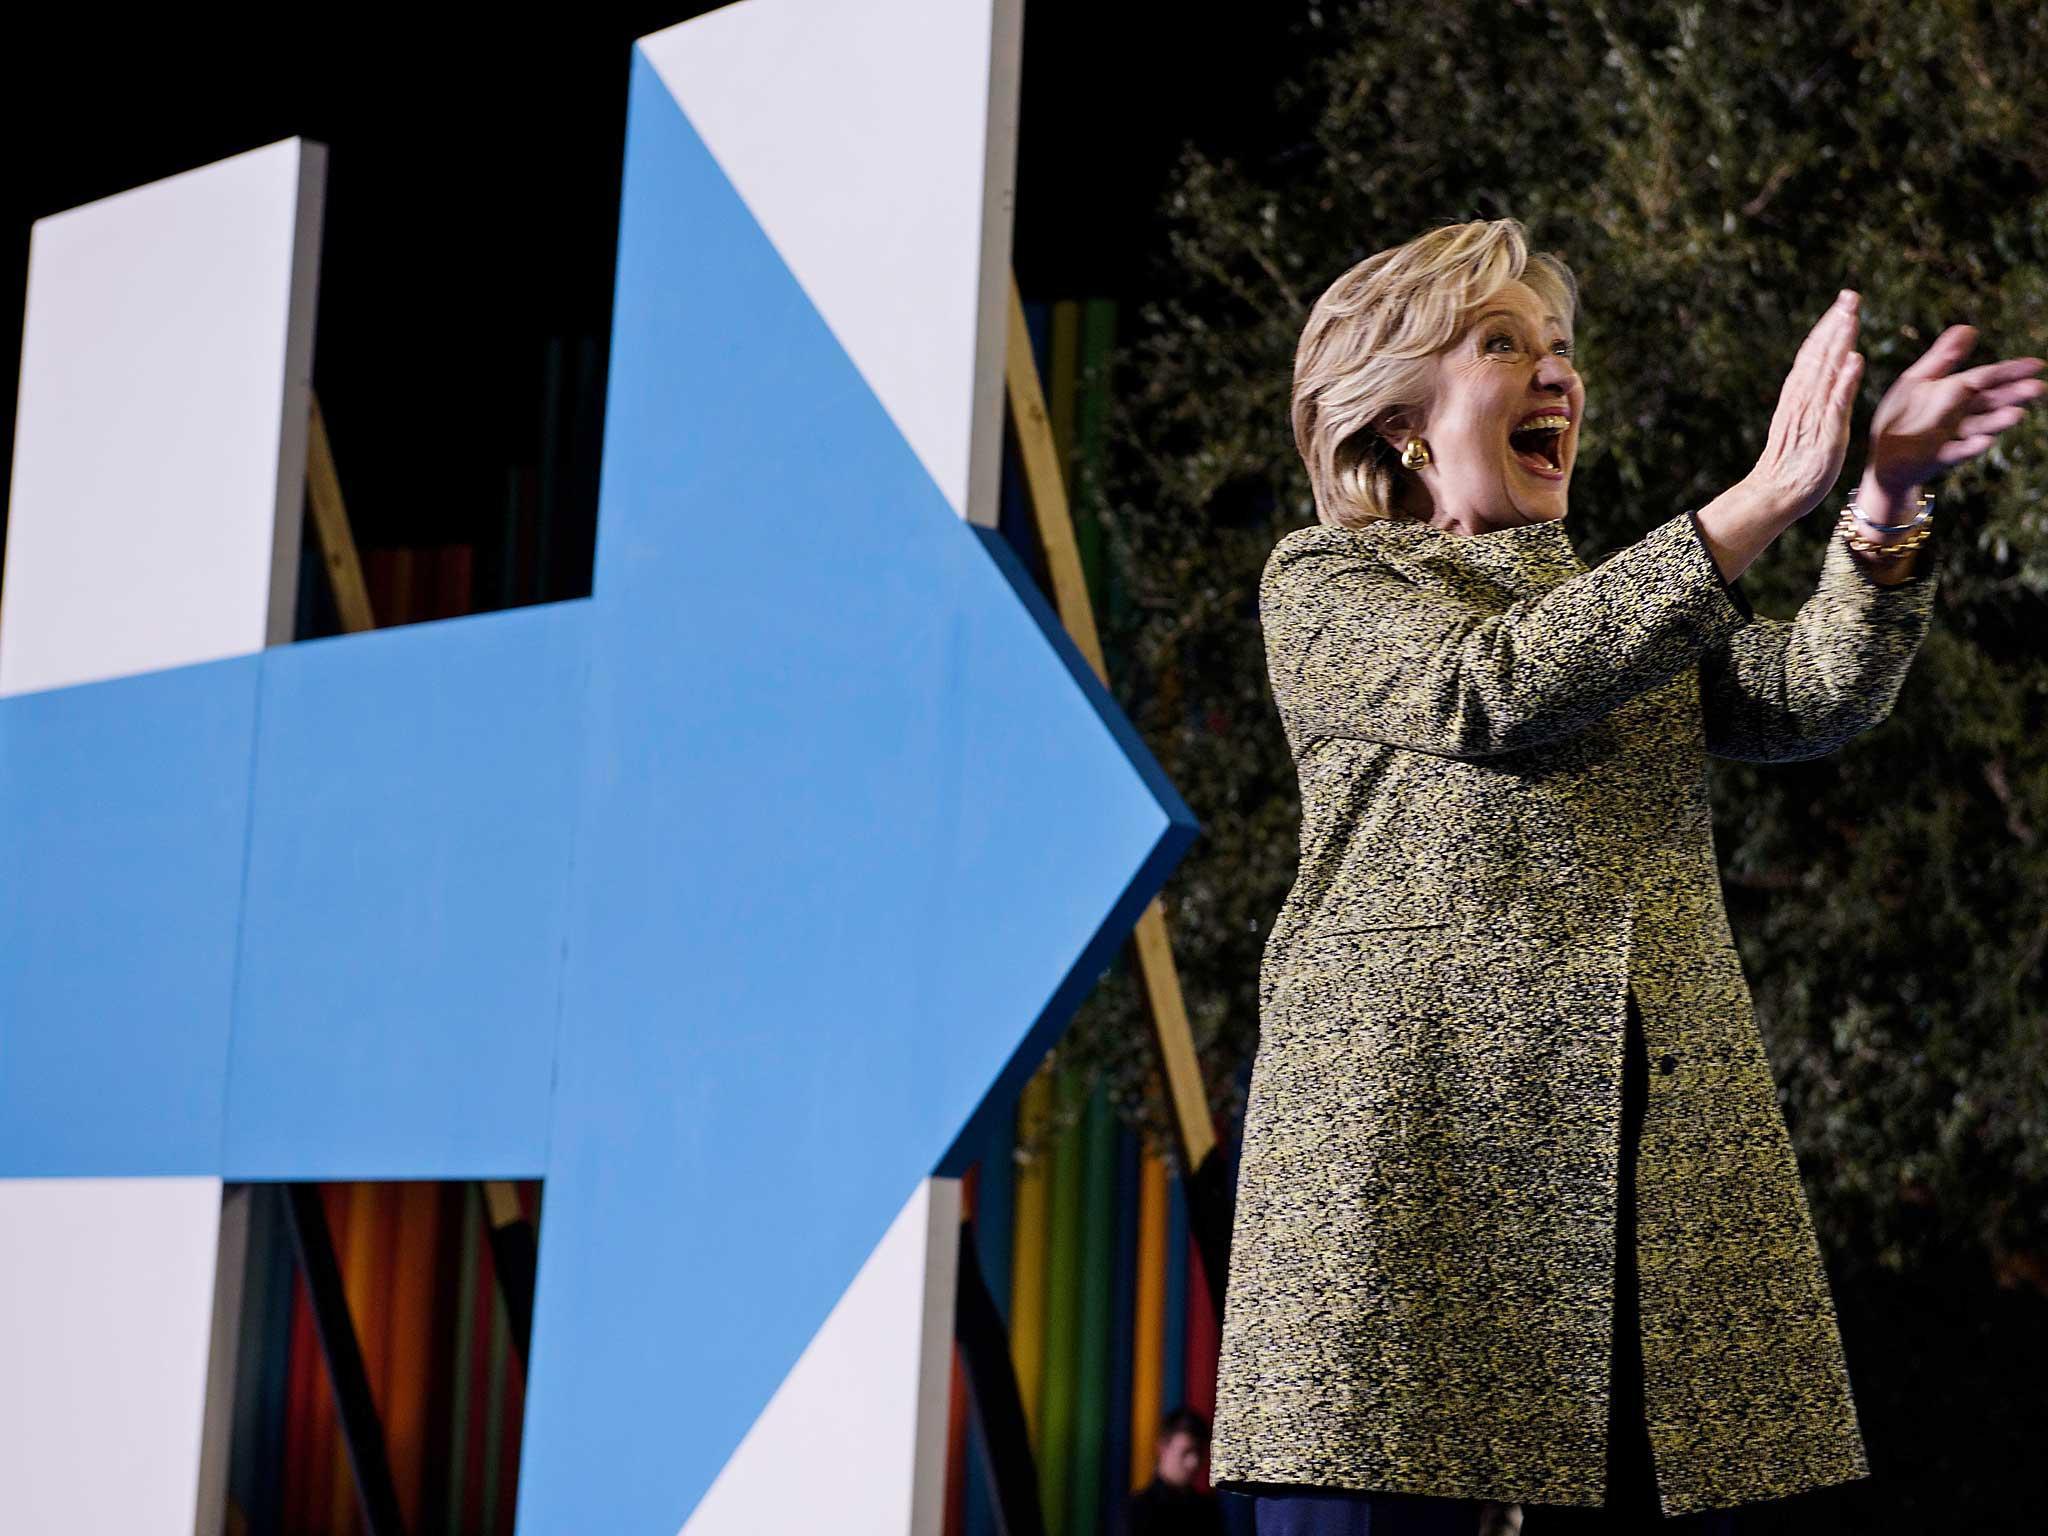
(1459, 341)
(1183, 1447)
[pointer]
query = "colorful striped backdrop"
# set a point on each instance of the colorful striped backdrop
(448, 1384)
(1089, 1257)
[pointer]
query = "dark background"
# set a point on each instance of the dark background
(473, 186)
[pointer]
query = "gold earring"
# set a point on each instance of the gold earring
(1415, 455)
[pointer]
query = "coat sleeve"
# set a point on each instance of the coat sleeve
(1355, 648)
(1780, 690)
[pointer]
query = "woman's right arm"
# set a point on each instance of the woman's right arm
(1803, 451)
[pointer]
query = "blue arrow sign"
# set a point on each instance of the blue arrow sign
(725, 900)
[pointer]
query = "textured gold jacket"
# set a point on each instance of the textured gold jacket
(1505, 826)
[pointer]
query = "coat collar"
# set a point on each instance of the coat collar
(1526, 560)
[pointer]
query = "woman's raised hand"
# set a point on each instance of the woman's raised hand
(1932, 419)
(1809, 435)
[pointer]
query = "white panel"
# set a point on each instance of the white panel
(854, 1440)
(106, 1306)
(876, 144)
(160, 438)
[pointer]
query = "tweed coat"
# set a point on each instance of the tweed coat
(1505, 827)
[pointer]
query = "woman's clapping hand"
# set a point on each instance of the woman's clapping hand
(1809, 435)
(1932, 418)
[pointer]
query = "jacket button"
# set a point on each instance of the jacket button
(1667, 1065)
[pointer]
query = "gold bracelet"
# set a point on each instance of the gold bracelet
(1861, 545)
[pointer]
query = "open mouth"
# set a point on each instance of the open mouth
(1538, 444)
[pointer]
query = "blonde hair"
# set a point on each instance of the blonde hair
(1366, 355)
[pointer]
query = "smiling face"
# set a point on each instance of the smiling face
(1503, 425)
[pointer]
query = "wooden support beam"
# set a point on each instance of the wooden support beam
(217, 1431)
(1176, 1041)
(1054, 519)
(330, 526)
(1040, 454)
(361, 1431)
(515, 1254)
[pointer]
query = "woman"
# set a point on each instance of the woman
(1518, 1216)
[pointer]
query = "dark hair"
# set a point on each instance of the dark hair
(1185, 1421)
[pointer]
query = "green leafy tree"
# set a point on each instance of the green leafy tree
(1713, 174)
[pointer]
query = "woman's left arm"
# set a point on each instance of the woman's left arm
(1779, 690)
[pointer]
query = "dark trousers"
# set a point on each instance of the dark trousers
(1631, 1483)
